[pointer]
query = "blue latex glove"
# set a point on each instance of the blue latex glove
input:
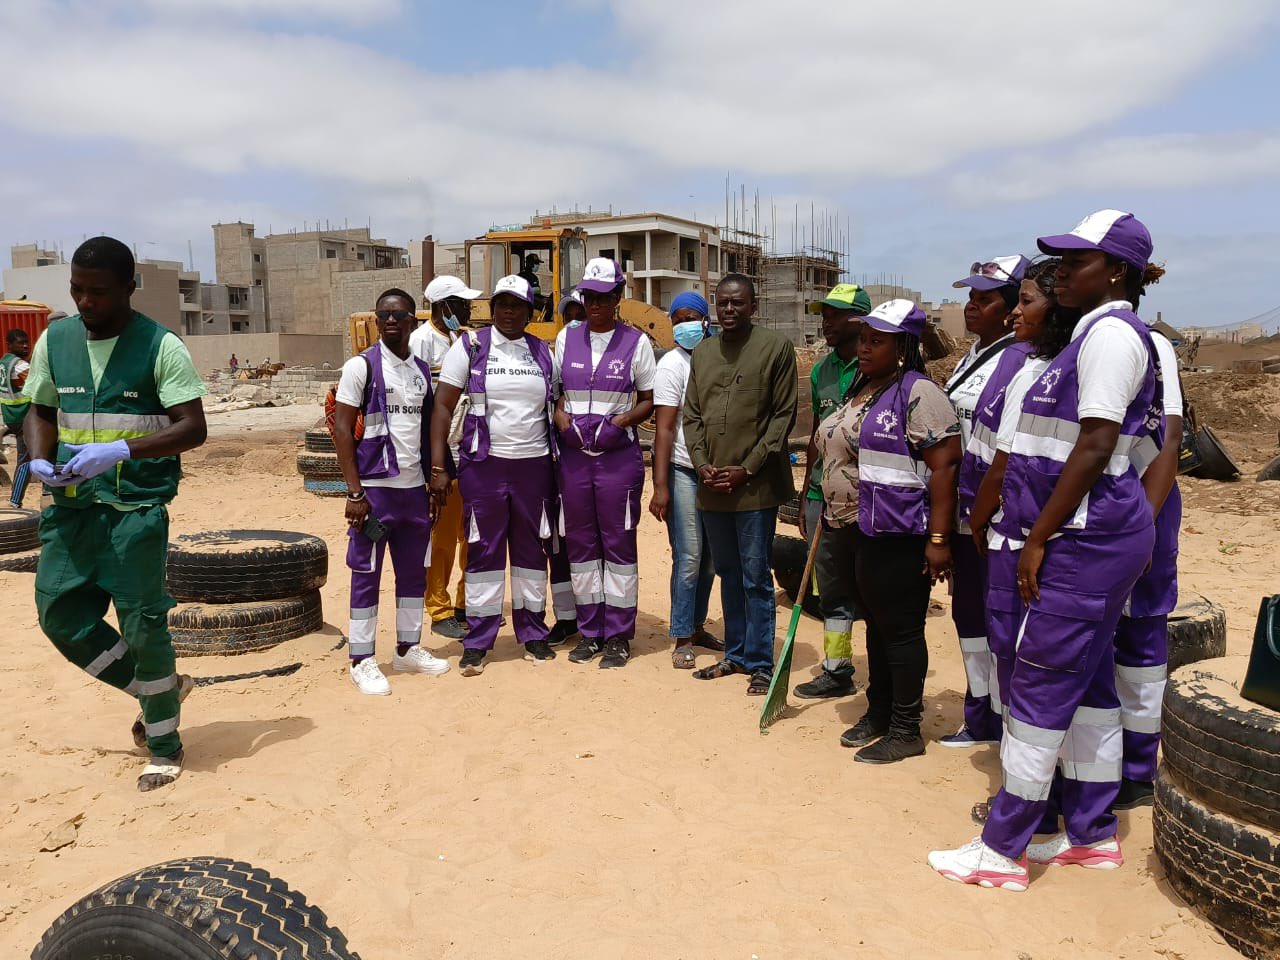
(43, 470)
(92, 459)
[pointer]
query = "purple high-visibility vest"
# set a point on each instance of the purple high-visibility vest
(375, 453)
(475, 425)
(592, 398)
(1047, 432)
(981, 451)
(893, 481)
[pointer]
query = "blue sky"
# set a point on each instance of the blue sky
(940, 137)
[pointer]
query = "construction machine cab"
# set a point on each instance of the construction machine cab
(561, 256)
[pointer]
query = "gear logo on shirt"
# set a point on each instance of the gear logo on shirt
(888, 420)
(419, 383)
(1050, 379)
(616, 366)
(524, 357)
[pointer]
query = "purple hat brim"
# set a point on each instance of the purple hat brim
(915, 328)
(984, 283)
(1065, 241)
(600, 286)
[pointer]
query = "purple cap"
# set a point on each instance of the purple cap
(996, 273)
(601, 276)
(1112, 231)
(516, 286)
(897, 316)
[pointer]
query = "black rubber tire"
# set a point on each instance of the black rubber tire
(789, 512)
(1228, 871)
(318, 441)
(19, 529)
(1271, 471)
(1220, 748)
(234, 566)
(324, 488)
(1197, 631)
(24, 562)
(1215, 462)
(202, 630)
(319, 466)
(200, 907)
(789, 555)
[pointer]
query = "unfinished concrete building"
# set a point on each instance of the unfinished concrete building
(794, 281)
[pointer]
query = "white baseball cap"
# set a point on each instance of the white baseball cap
(601, 276)
(516, 286)
(442, 288)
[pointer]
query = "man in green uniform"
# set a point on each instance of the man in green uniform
(842, 312)
(115, 400)
(13, 374)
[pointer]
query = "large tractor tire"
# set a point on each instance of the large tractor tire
(790, 511)
(201, 629)
(325, 488)
(319, 466)
(235, 566)
(1220, 748)
(1215, 462)
(1227, 870)
(19, 529)
(201, 908)
(789, 556)
(24, 562)
(1197, 631)
(318, 440)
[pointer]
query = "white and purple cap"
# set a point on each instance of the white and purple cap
(995, 273)
(1112, 231)
(573, 296)
(897, 316)
(601, 276)
(516, 286)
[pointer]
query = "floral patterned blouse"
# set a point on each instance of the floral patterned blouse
(930, 420)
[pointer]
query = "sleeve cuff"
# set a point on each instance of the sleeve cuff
(1101, 413)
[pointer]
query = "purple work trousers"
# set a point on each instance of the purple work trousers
(1062, 706)
(601, 502)
(969, 613)
(509, 508)
(405, 512)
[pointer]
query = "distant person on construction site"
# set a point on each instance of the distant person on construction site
(450, 301)
(14, 367)
(830, 381)
(388, 506)
(571, 309)
(233, 363)
(506, 472)
(115, 399)
(530, 273)
(675, 488)
(739, 409)
(607, 374)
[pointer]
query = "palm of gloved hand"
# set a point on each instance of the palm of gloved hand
(44, 471)
(92, 459)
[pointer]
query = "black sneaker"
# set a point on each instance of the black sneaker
(864, 731)
(472, 662)
(891, 748)
(562, 632)
(827, 685)
(1134, 793)
(538, 651)
(450, 627)
(586, 650)
(616, 654)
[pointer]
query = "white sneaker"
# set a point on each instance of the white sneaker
(369, 679)
(975, 862)
(1059, 851)
(419, 660)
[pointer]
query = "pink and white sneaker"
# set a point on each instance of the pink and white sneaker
(975, 862)
(1059, 851)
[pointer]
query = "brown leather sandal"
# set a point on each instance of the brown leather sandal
(721, 668)
(682, 657)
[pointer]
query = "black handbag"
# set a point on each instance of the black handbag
(1262, 680)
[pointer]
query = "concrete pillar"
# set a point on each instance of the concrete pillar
(648, 265)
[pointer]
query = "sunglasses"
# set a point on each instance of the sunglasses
(401, 315)
(991, 270)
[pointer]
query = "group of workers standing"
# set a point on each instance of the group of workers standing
(1039, 480)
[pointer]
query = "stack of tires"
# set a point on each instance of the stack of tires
(19, 539)
(244, 590)
(1217, 810)
(318, 464)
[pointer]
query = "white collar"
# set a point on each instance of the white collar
(1111, 306)
(396, 361)
(498, 339)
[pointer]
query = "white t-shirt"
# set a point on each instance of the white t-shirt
(1014, 394)
(515, 395)
(406, 390)
(430, 344)
(669, 384)
(1110, 366)
(1167, 358)
(965, 397)
(643, 365)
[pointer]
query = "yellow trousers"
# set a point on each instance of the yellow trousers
(447, 540)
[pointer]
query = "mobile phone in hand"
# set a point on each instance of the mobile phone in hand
(373, 528)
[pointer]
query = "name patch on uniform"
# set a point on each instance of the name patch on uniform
(71, 390)
(130, 394)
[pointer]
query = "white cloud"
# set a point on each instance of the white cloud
(1165, 162)
(343, 10)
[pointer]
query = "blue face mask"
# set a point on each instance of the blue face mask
(451, 322)
(690, 333)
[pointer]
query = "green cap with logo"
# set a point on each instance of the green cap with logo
(844, 296)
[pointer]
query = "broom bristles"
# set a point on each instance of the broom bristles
(775, 704)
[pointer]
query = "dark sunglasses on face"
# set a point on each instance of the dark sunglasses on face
(401, 315)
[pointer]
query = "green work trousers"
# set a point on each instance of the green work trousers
(95, 556)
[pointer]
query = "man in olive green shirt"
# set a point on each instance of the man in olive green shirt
(739, 409)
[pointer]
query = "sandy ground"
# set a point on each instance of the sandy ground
(560, 810)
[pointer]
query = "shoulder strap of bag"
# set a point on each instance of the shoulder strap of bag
(983, 357)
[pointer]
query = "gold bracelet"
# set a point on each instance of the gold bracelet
(938, 539)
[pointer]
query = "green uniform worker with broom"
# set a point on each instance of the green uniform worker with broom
(115, 399)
